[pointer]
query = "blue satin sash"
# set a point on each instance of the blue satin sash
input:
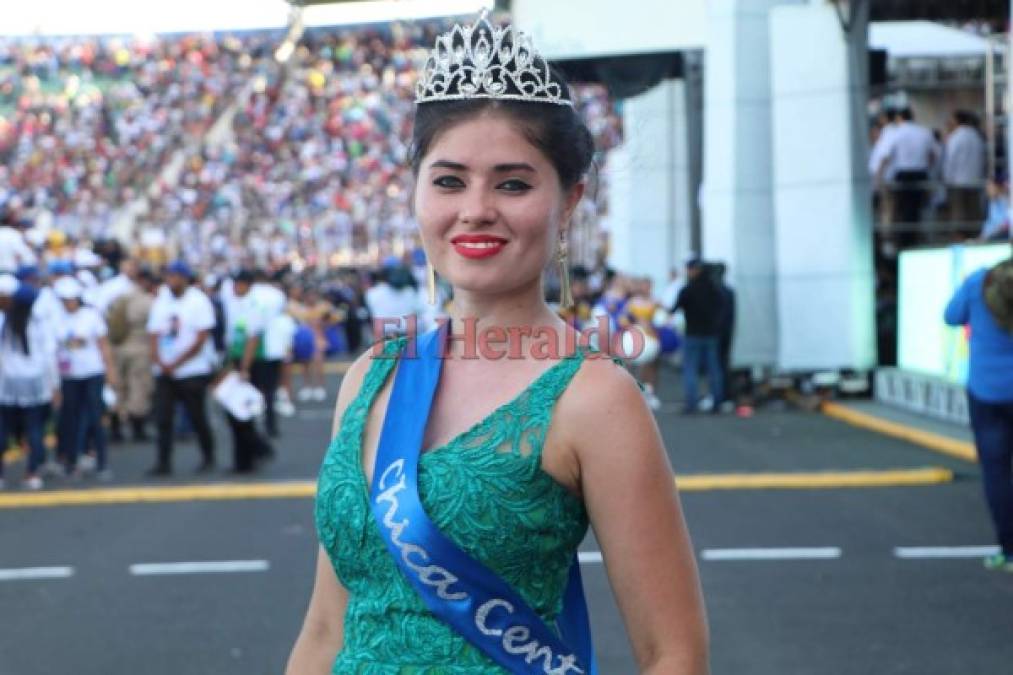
(459, 590)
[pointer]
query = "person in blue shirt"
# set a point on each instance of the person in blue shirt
(984, 303)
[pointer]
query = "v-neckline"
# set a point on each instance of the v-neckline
(368, 483)
(495, 412)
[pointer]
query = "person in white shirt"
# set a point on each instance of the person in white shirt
(14, 250)
(391, 300)
(179, 328)
(245, 321)
(29, 381)
(85, 362)
(113, 289)
(889, 122)
(964, 167)
(279, 331)
(911, 155)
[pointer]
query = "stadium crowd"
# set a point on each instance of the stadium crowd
(308, 163)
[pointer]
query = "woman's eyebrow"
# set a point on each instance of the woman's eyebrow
(508, 167)
(513, 166)
(447, 164)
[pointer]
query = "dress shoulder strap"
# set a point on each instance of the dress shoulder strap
(379, 369)
(380, 366)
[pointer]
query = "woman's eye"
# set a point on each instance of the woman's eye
(514, 185)
(448, 182)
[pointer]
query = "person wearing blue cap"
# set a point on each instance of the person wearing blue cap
(29, 380)
(179, 327)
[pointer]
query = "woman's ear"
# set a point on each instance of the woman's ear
(572, 198)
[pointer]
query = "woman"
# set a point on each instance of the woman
(642, 309)
(29, 381)
(85, 361)
(497, 180)
(313, 313)
(984, 303)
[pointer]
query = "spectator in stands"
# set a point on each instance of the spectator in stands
(984, 303)
(14, 249)
(964, 167)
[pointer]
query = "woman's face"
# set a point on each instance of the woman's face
(490, 206)
(71, 304)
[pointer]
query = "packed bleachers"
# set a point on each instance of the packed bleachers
(312, 163)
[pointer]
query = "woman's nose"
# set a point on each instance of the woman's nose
(477, 207)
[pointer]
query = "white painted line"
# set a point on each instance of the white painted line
(223, 567)
(589, 556)
(824, 553)
(930, 552)
(28, 573)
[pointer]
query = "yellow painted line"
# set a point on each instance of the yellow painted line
(947, 446)
(307, 489)
(814, 480)
(160, 494)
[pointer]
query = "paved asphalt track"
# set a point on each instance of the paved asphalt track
(852, 607)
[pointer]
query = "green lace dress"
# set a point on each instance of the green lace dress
(485, 490)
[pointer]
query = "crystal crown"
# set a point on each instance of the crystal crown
(487, 61)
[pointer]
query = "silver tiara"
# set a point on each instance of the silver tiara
(486, 61)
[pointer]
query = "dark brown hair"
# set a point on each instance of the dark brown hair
(556, 130)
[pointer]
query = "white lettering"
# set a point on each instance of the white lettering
(397, 467)
(515, 639)
(566, 664)
(431, 575)
(515, 635)
(483, 613)
(437, 576)
(409, 549)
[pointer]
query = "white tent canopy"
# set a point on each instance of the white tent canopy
(912, 39)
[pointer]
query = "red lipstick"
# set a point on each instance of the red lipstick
(477, 246)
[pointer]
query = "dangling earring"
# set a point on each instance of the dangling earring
(431, 282)
(565, 296)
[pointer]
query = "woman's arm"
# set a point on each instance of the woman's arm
(628, 486)
(322, 633)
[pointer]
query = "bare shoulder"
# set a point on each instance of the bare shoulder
(602, 385)
(603, 398)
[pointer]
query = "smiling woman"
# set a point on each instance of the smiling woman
(461, 558)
